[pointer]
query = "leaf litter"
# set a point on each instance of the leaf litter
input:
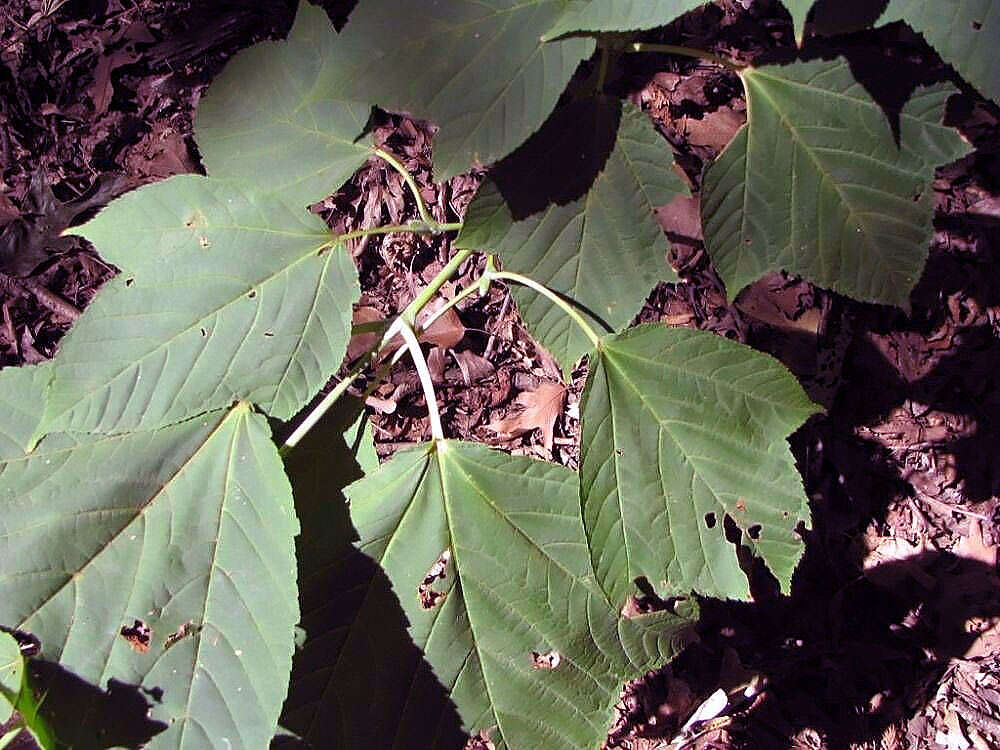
(860, 475)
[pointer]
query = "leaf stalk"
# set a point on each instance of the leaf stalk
(671, 49)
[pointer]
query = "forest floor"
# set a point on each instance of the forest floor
(891, 637)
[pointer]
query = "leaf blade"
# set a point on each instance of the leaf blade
(964, 34)
(275, 111)
(599, 245)
(486, 507)
(816, 185)
(226, 296)
(487, 80)
(711, 416)
(229, 590)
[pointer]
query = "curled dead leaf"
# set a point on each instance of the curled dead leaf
(540, 409)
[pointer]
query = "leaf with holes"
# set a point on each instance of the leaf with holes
(594, 237)
(815, 184)
(683, 429)
(531, 652)
(357, 646)
(225, 294)
(964, 32)
(163, 559)
(274, 117)
(477, 68)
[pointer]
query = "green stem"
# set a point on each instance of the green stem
(558, 301)
(393, 162)
(415, 227)
(469, 290)
(671, 49)
(409, 313)
(425, 380)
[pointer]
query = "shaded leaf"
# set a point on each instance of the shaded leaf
(224, 295)
(618, 15)
(192, 523)
(681, 429)
(597, 241)
(274, 117)
(964, 32)
(477, 68)
(815, 184)
(486, 509)
(359, 681)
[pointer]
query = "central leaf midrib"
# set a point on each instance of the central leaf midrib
(307, 255)
(827, 177)
(139, 511)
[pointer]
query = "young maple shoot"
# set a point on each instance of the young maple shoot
(454, 590)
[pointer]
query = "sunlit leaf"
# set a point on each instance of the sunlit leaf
(224, 295)
(274, 117)
(682, 429)
(478, 68)
(619, 15)
(964, 32)
(599, 243)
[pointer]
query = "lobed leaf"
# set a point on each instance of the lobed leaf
(964, 32)
(598, 243)
(682, 429)
(816, 185)
(274, 117)
(359, 681)
(163, 559)
(478, 68)
(225, 295)
(487, 555)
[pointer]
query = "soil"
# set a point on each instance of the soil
(891, 637)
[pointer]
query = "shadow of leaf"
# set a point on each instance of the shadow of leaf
(359, 681)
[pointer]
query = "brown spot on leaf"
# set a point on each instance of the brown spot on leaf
(429, 598)
(741, 505)
(204, 242)
(548, 660)
(186, 629)
(138, 635)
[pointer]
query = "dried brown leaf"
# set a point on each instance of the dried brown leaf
(541, 408)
